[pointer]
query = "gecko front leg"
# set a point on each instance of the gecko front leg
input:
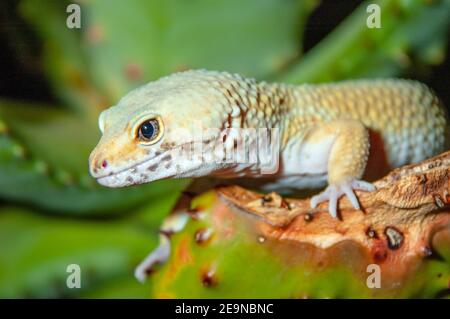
(347, 159)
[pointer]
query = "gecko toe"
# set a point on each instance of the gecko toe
(362, 185)
(351, 195)
(332, 203)
(319, 198)
(330, 194)
(333, 192)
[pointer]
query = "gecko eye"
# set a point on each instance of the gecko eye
(149, 131)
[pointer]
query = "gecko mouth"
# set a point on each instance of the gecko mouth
(128, 168)
(126, 176)
(145, 170)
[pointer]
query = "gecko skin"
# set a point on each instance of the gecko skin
(324, 130)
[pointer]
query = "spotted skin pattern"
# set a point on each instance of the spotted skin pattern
(324, 130)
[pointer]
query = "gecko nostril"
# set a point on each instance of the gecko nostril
(104, 163)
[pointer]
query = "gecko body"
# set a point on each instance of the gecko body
(324, 131)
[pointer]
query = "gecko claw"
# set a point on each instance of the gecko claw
(333, 192)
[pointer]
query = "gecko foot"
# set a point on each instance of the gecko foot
(333, 192)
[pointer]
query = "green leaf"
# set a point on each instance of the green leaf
(409, 30)
(144, 40)
(36, 251)
(123, 44)
(63, 59)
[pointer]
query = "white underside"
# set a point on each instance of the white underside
(302, 165)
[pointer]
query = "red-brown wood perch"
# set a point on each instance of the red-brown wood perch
(404, 229)
(397, 223)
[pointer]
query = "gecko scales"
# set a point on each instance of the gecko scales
(327, 132)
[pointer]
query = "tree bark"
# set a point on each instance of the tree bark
(410, 205)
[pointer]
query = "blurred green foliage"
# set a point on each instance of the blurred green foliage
(55, 214)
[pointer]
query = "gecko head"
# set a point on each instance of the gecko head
(156, 131)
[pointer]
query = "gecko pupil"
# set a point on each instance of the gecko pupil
(148, 130)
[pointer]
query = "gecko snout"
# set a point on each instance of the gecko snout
(98, 164)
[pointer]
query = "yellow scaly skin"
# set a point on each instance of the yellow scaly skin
(324, 130)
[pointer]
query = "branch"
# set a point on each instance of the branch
(403, 233)
(410, 205)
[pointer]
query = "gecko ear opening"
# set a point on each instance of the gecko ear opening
(150, 131)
